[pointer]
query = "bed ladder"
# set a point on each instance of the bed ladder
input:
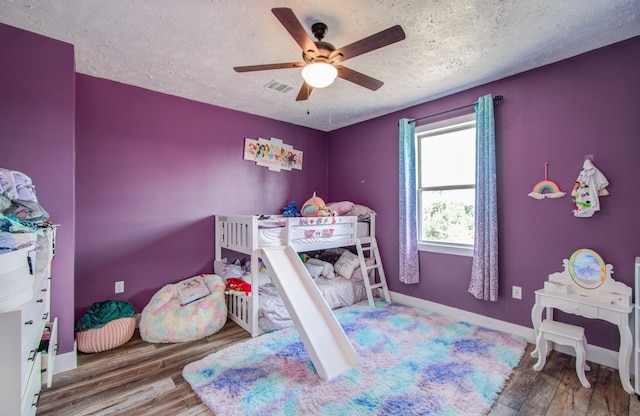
(370, 245)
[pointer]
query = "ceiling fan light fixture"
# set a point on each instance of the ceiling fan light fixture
(319, 74)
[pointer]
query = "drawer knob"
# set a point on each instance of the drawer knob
(40, 301)
(43, 290)
(29, 322)
(32, 355)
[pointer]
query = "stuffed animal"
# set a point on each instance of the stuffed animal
(326, 212)
(238, 285)
(291, 210)
(313, 206)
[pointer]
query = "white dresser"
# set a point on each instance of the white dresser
(25, 365)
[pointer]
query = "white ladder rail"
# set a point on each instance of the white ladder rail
(370, 244)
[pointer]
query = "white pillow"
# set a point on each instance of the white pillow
(327, 268)
(346, 264)
(315, 270)
(225, 270)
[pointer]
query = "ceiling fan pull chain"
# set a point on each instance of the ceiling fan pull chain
(331, 94)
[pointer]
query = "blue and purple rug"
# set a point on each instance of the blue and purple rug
(412, 362)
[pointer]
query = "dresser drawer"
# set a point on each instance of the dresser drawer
(34, 316)
(32, 392)
(587, 311)
(28, 360)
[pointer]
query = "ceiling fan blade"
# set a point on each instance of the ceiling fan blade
(295, 29)
(305, 92)
(251, 68)
(358, 78)
(386, 37)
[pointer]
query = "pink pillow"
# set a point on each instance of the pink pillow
(341, 208)
(357, 273)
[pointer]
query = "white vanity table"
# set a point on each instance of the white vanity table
(586, 288)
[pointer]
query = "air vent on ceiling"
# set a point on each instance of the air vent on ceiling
(278, 86)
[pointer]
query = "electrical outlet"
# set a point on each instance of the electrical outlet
(120, 287)
(516, 292)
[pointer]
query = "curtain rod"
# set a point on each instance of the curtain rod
(496, 99)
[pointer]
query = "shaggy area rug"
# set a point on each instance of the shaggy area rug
(412, 362)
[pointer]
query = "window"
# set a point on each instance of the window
(446, 153)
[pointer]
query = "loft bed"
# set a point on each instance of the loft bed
(249, 234)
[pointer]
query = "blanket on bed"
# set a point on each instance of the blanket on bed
(338, 292)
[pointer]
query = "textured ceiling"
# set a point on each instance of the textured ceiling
(188, 48)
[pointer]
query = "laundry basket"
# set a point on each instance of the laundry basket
(112, 335)
(16, 278)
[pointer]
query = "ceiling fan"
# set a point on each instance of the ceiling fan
(318, 69)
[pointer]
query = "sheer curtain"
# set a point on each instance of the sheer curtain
(409, 266)
(484, 272)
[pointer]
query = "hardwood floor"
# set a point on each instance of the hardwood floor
(556, 390)
(146, 379)
(138, 378)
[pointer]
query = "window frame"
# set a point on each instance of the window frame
(439, 246)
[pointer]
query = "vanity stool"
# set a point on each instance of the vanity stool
(563, 334)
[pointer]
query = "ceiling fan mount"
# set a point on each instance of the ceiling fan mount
(319, 30)
(324, 50)
(320, 52)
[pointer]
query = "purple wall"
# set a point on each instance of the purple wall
(37, 138)
(558, 113)
(153, 169)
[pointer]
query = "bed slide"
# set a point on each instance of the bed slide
(328, 346)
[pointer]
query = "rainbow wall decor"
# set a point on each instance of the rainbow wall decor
(546, 188)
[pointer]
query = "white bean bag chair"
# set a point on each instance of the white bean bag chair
(165, 320)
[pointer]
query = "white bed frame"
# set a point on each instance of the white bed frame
(240, 233)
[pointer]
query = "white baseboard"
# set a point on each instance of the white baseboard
(595, 354)
(67, 361)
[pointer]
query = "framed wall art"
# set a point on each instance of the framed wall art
(273, 154)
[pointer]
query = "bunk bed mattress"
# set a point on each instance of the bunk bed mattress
(338, 293)
(276, 235)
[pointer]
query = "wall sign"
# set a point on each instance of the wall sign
(273, 154)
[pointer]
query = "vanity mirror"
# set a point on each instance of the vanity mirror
(587, 269)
